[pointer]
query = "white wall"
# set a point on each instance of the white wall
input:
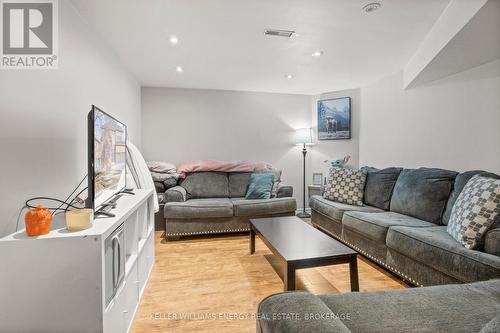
(43, 131)
(333, 149)
(452, 123)
(185, 124)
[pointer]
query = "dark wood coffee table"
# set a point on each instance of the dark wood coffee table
(300, 245)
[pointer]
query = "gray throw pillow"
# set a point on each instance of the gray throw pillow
(345, 186)
(379, 186)
(423, 193)
(160, 187)
(200, 185)
(475, 210)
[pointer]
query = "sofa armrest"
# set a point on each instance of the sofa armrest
(284, 191)
(297, 312)
(492, 241)
(175, 194)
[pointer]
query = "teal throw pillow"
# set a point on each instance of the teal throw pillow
(260, 186)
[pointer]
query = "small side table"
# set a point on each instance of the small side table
(314, 190)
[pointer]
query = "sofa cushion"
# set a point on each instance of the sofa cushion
(206, 185)
(458, 186)
(238, 183)
(335, 210)
(457, 308)
(475, 211)
(199, 208)
(160, 187)
(435, 248)
(346, 186)
(379, 186)
(376, 225)
(492, 241)
(422, 193)
(297, 312)
(493, 326)
(261, 207)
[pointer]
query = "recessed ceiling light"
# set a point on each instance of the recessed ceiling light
(179, 69)
(317, 53)
(174, 39)
(289, 76)
(371, 7)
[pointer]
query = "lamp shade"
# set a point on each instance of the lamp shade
(304, 136)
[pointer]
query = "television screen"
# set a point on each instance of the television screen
(107, 157)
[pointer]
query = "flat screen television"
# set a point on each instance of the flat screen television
(107, 157)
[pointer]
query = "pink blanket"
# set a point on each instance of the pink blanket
(222, 166)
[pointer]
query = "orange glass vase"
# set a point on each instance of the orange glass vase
(38, 221)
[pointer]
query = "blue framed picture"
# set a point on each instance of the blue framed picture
(334, 119)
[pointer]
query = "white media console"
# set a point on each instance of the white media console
(84, 281)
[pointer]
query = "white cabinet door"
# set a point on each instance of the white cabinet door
(114, 317)
(146, 260)
(132, 295)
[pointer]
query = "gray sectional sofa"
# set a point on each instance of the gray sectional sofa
(463, 308)
(402, 226)
(214, 202)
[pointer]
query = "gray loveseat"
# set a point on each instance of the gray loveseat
(402, 226)
(214, 202)
(464, 308)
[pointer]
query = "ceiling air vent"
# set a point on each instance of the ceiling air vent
(279, 33)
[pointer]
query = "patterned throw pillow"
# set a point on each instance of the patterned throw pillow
(475, 211)
(345, 186)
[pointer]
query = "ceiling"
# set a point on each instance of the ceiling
(222, 45)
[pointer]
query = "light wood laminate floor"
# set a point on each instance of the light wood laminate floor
(213, 284)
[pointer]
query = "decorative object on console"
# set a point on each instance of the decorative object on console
(475, 210)
(346, 186)
(334, 119)
(260, 186)
(303, 137)
(317, 178)
(79, 219)
(38, 221)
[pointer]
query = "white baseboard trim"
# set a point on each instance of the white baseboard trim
(308, 210)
